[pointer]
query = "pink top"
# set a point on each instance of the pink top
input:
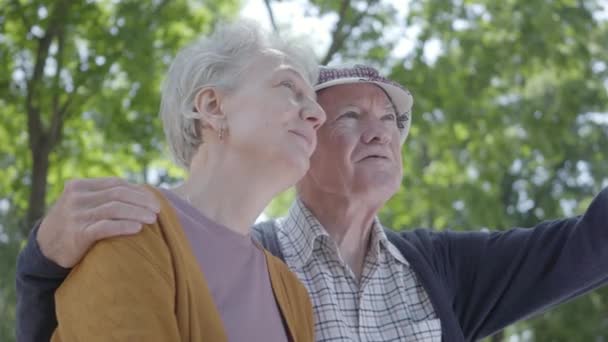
(236, 273)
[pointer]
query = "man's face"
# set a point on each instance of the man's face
(358, 149)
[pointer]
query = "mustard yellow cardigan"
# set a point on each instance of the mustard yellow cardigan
(149, 287)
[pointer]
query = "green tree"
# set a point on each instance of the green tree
(509, 123)
(80, 83)
(507, 126)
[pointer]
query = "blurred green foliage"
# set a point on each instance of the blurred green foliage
(509, 126)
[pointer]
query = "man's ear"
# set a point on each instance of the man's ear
(207, 103)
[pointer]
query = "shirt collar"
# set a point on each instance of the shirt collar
(380, 240)
(303, 230)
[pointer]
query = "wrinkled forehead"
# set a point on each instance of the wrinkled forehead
(265, 64)
(356, 94)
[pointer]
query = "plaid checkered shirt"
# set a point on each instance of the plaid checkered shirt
(388, 304)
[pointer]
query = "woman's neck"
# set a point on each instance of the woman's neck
(230, 190)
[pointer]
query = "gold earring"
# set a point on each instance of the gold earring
(221, 132)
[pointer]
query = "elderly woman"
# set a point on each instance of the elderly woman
(239, 113)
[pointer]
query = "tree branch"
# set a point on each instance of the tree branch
(333, 48)
(57, 78)
(342, 31)
(35, 128)
(60, 115)
(159, 8)
(271, 16)
(20, 10)
(59, 119)
(36, 131)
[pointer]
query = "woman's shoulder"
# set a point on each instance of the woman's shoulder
(150, 250)
(292, 285)
(148, 244)
(141, 256)
(124, 285)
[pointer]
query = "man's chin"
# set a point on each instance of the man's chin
(380, 188)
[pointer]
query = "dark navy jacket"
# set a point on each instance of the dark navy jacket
(478, 282)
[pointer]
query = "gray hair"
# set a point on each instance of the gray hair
(217, 60)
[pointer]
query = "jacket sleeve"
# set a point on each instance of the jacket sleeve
(37, 278)
(498, 278)
(123, 290)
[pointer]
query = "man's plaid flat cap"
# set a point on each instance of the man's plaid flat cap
(400, 97)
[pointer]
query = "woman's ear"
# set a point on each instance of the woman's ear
(207, 103)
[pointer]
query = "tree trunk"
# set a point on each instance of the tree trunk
(40, 168)
(42, 139)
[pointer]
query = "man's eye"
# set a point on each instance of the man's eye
(350, 114)
(390, 117)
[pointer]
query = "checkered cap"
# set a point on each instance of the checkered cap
(399, 95)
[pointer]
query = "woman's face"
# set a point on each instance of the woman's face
(272, 115)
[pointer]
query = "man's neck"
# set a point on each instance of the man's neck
(349, 223)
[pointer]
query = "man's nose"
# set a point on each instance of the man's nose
(376, 132)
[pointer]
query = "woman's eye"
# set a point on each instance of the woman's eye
(289, 84)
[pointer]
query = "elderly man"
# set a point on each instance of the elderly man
(367, 283)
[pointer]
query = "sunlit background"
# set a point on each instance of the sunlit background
(510, 125)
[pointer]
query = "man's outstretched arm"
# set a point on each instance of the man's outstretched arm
(503, 277)
(88, 210)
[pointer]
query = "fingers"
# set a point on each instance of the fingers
(90, 210)
(128, 194)
(84, 194)
(117, 210)
(93, 184)
(110, 228)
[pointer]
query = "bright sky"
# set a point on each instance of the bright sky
(292, 13)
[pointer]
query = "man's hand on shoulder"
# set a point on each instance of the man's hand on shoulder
(89, 210)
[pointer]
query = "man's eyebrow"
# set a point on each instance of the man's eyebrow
(390, 106)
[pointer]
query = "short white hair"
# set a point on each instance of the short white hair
(217, 60)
